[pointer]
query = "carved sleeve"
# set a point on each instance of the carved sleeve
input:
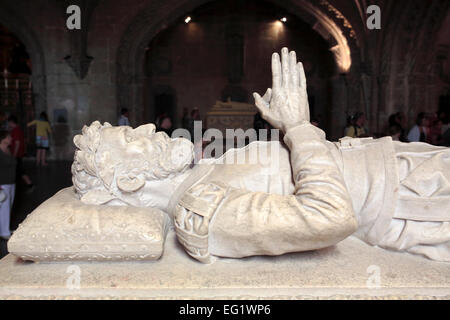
(317, 215)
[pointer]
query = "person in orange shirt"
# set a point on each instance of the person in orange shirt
(43, 130)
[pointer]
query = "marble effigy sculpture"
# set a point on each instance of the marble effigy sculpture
(135, 183)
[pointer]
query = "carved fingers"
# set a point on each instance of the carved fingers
(193, 215)
(286, 105)
(285, 67)
(192, 233)
(267, 97)
(293, 71)
(304, 94)
(285, 72)
(276, 71)
(301, 75)
(263, 104)
(293, 74)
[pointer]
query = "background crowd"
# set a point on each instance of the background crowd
(429, 127)
(12, 171)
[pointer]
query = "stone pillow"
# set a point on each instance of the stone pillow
(64, 228)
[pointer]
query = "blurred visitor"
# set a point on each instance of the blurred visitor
(7, 183)
(355, 127)
(17, 149)
(395, 131)
(419, 132)
(123, 119)
(399, 120)
(43, 130)
(166, 125)
(435, 131)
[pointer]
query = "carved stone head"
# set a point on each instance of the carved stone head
(125, 166)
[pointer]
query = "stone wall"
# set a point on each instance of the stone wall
(193, 59)
(396, 68)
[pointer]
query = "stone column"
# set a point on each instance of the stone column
(383, 96)
(338, 109)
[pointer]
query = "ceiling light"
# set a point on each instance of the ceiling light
(284, 19)
(188, 19)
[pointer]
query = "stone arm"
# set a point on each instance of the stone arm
(215, 219)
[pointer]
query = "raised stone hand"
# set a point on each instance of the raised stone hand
(286, 104)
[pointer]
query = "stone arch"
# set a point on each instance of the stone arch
(324, 19)
(28, 37)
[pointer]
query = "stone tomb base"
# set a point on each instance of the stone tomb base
(346, 271)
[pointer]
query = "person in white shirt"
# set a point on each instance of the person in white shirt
(418, 133)
(123, 120)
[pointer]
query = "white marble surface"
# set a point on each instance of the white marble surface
(339, 272)
(393, 195)
(65, 229)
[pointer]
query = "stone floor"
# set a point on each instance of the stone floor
(47, 180)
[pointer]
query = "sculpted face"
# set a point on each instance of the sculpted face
(125, 166)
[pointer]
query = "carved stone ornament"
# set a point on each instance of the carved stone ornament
(79, 65)
(63, 229)
(78, 59)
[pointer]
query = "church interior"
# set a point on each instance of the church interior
(198, 59)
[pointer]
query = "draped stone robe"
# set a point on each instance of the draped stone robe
(315, 193)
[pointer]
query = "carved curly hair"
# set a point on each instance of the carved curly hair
(95, 170)
(84, 172)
